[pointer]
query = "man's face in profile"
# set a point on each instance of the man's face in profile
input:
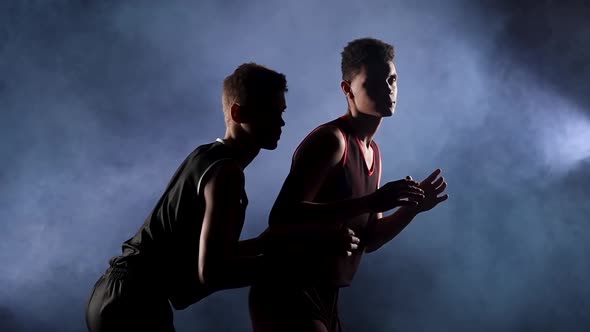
(375, 89)
(266, 120)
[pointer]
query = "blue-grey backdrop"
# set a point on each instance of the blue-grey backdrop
(101, 100)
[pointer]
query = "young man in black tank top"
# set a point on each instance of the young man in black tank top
(189, 246)
(338, 162)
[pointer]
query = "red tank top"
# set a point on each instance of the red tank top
(350, 179)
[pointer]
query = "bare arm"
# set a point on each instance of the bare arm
(250, 247)
(317, 156)
(385, 229)
(222, 263)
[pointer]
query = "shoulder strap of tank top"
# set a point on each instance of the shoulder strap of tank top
(377, 153)
(210, 167)
(206, 172)
(338, 123)
(342, 126)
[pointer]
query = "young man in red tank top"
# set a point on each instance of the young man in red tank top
(338, 167)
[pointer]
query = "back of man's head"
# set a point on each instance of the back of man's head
(251, 84)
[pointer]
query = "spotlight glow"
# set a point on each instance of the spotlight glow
(565, 138)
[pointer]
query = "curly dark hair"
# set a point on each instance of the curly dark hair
(363, 52)
(251, 83)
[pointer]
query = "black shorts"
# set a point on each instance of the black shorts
(281, 308)
(121, 301)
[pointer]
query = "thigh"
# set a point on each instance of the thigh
(117, 304)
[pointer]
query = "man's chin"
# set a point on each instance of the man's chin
(386, 113)
(271, 146)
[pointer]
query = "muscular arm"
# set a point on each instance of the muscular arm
(385, 229)
(224, 261)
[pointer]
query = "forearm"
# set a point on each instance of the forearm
(252, 258)
(237, 272)
(387, 228)
(344, 209)
(249, 247)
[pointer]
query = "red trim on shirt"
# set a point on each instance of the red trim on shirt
(304, 139)
(345, 146)
(369, 171)
(376, 149)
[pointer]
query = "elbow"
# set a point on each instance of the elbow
(369, 249)
(210, 275)
(372, 245)
(372, 240)
(205, 276)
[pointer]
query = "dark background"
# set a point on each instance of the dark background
(101, 100)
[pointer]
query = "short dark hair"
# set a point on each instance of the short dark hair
(363, 52)
(251, 82)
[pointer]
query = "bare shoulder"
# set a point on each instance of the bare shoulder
(319, 153)
(326, 142)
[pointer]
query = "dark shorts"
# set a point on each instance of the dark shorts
(280, 308)
(121, 301)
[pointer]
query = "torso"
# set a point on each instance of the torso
(356, 175)
(167, 244)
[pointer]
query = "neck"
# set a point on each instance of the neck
(364, 126)
(243, 145)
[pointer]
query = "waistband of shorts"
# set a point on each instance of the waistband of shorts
(157, 287)
(119, 272)
(133, 272)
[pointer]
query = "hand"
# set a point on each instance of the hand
(432, 187)
(341, 241)
(403, 192)
(318, 239)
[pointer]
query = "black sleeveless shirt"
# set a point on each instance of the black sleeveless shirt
(351, 178)
(165, 249)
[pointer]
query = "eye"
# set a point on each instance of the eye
(392, 79)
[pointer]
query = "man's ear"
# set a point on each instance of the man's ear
(237, 113)
(345, 85)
